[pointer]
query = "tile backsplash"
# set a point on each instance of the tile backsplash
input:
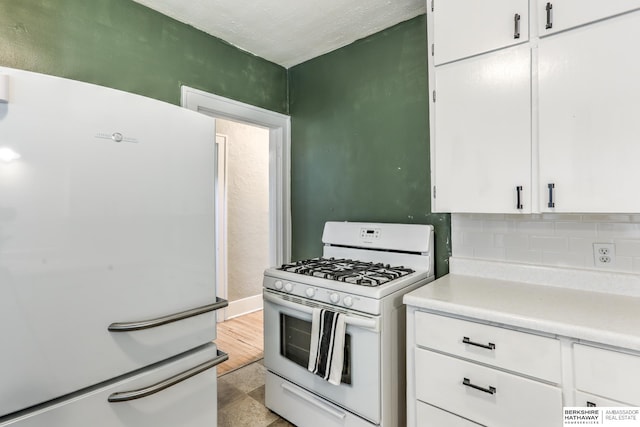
(564, 240)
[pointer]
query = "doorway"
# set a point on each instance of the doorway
(242, 215)
(279, 127)
(225, 113)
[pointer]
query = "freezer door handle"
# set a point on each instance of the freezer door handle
(152, 323)
(125, 396)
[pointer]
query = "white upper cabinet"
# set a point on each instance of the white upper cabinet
(589, 117)
(559, 15)
(464, 28)
(483, 133)
(550, 124)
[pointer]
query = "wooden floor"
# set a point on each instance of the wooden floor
(242, 339)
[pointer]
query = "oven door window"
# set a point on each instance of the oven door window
(295, 340)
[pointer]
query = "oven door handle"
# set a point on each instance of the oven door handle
(361, 322)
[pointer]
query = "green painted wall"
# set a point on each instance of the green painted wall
(360, 138)
(121, 44)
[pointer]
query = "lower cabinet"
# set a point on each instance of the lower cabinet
(463, 372)
(612, 375)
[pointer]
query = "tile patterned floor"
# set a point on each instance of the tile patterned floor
(241, 399)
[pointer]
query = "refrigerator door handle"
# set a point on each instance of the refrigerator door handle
(152, 323)
(125, 396)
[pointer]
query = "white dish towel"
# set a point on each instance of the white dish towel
(326, 352)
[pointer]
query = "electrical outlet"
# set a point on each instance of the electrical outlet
(604, 254)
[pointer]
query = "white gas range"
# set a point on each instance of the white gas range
(365, 270)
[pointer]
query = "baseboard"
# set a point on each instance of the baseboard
(244, 306)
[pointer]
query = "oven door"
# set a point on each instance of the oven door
(287, 327)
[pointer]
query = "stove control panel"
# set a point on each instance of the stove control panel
(369, 234)
(326, 296)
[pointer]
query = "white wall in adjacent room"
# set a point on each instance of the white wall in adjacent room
(247, 207)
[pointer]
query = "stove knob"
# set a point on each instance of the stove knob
(288, 287)
(348, 301)
(310, 292)
(278, 284)
(334, 297)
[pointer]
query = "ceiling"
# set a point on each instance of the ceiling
(289, 32)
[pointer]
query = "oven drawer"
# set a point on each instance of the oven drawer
(491, 397)
(520, 352)
(607, 373)
(301, 407)
(430, 416)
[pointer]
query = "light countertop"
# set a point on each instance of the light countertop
(597, 316)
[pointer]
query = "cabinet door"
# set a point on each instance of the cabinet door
(588, 117)
(464, 28)
(607, 373)
(559, 15)
(482, 133)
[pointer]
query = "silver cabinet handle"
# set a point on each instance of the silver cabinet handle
(551, 203)
(549, 8)
(467, 383)
(489, 346)
(125, 396)
(516, 19)
(152, 323)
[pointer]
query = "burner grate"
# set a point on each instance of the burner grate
(347, 270)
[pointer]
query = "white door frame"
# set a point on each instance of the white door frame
(221, 222)
(279, 126)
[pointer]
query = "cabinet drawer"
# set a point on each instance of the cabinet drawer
(586, 399)
(515, 351)
(565, 14)
(499, 399)
(430, 416)
(607, 373)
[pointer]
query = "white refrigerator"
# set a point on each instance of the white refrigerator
(107, 258)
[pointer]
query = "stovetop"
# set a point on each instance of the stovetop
(347, 270)
(364, 266)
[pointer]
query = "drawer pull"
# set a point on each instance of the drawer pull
(467, 383)
(490, 346)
